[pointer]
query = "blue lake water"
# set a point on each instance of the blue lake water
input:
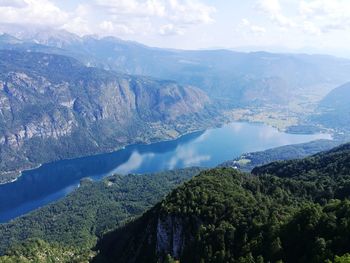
(208, 148)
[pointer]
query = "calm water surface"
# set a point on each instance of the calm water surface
(209, 148)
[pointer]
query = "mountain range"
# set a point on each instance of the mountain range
(54, 107)
(242, 78)
(334, 109)
(65, 96)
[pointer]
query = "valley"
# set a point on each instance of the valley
(50, 114)
(116, 151)
(259, 210)
(208, 148)
(90, 110)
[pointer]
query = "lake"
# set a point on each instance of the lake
(209, 148)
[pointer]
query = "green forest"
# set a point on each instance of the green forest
(286, 211)
(95, 208)
(297, 212)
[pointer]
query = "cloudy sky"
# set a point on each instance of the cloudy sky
(319, 25)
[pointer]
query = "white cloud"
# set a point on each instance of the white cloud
(170, 29)
(132, 7)
(107, 26)
(13, 3)
(255, 29)
(274, 10)
(111, 28)
(166, 17)
(78, 25)
(269, 6)
(311, 28)
(321, 7)
(314, 17)
(181, 23)
(122, 17)
(41, 12)
(326, 15)
(190, 12)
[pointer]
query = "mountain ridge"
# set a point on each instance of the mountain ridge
(333, 110)
(55, 103)
(295, 211)
(283, 213)
(236, 74)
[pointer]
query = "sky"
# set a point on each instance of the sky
(314, 26)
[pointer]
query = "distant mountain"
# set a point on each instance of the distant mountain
(54, 107)
(8, 39)
(248, 161)
(245, 79)
(333, 163)
(49, 37)
(334, 110)
(292, 211)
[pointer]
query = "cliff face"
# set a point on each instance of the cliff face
(49, 100)
(246, 79)
(170, 236)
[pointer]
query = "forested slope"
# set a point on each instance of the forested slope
(293, 211)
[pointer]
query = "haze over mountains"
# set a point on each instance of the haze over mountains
(81, 85)
(65, 96)
(238, 75)
(55, 107)
(334, 109)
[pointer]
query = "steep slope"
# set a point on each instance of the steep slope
(337, 98)
(36, 250)
(54, 107)
(79, 219)
(245, 79)
(297, 213)
(334, 163)
(334, 110)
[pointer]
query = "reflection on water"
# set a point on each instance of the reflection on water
(54, 180)
(134, 162)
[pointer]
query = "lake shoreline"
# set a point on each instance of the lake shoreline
(19, 173)
(200, 148)
(148, 142)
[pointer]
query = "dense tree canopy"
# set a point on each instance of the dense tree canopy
(294, 211)
(290, 211)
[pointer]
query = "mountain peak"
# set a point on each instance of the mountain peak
(8, 39)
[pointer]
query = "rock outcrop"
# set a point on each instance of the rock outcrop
(54, 105)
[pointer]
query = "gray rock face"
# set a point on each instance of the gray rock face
(170, 236)
(246, 79)
(55, 104)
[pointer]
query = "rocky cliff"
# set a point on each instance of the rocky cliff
(54, 107)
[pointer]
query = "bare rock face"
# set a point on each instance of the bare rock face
(170, 236)
(48, 100)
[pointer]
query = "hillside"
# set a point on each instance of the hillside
(333, 163)
(334, 109)
(53, 107)
(289, 211)
(296, 213)
(79, 219)
(248, 161)
(244, 79)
